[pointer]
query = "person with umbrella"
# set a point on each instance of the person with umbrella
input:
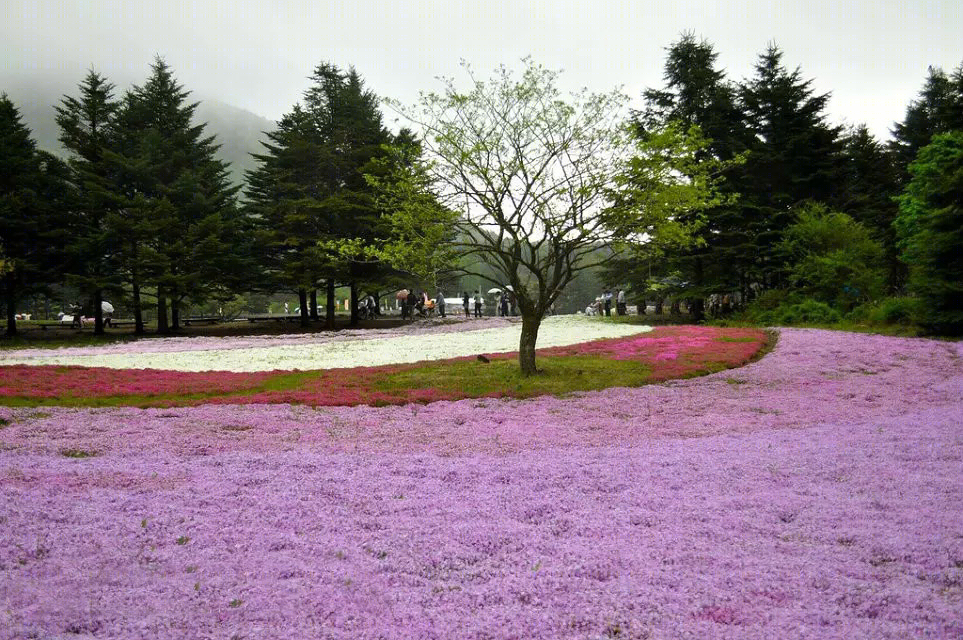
(108, 310)
(402, 298)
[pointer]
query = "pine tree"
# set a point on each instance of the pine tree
(794, 157)
(284, 196)
(32, 191)
(867, 191)
(352, 134)
(697, 93)
(180, 208)
(309, 192)
(87, 132)
(938, 109)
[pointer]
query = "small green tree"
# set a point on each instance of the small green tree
(930, 228)
(420, 231)
(833, 258)
(531, 174)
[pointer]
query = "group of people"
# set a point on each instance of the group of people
(478, 300)
(603, 304)
(420, 304)
(506, 303)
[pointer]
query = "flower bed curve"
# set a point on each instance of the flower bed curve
(309, 352)
(667, 352)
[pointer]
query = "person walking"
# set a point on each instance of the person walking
(478, 304)
(412, 301)
(440, 303)
(620, 307)
(607, 296)
(464, 302)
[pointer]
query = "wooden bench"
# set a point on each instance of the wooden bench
(203, 320)
(280, 318)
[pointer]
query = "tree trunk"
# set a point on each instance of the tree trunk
(162, 311)
(697, 309)
(659, 306)
(698, 305)
(329, 305)
(640, 308)
(314, 304)
(175, 313)
(354, 303)
(11, 304)
(135, 291)
(526, 344)
(138, 312)
(99, 312)
(303, 299)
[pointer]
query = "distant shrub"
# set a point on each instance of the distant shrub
(806, 312)
(887, 312)
(763, 309)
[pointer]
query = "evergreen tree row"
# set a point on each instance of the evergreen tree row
(793, 158)
(143, 209)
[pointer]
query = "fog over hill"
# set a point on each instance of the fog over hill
(238, 132)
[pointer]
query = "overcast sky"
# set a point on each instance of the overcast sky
(871, 54)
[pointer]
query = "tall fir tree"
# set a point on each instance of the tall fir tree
(350, 126)
(310, 193)
(32, 195)
(867, 191)
(180, 207)
(697, 93)
(283, 197)
(794, 157)
(938, 109)
(87, 133)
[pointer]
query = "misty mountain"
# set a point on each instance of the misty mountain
(238, 131)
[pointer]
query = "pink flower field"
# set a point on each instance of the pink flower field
(816, 493)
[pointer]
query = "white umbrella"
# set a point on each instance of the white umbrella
(106, 306)
(509, 287)
(494, 290)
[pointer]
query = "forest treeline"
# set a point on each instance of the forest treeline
(825, 219)
(816, 219)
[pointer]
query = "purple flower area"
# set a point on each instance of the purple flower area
(816, 493)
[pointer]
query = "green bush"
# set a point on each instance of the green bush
(763, 310)
(806, 312)
(887, 312)
(833, 258)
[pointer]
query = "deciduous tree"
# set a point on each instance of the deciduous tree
(930, 227)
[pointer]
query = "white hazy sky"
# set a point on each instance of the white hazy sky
(871, 54)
